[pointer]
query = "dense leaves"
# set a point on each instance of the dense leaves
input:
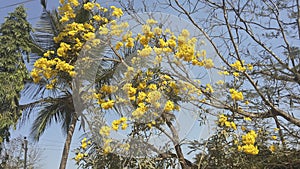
(15, 35)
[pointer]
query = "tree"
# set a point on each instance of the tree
(12, 155)
(15, 35)
(50, 88)
(256, 43)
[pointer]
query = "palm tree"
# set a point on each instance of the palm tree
(50, 106)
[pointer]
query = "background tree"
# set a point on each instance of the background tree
(12, 155)
(15, 37)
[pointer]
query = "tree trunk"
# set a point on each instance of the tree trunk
(65, 154)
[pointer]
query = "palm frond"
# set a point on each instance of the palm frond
(49, 110)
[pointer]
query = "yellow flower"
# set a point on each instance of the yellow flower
(117, 12)
(209, 88)
(115, 127)
(108, 89)
(63, 19)
(249, 138)
(105, 131)
(276, 129)
(145, 52)
(119, 45)
(272, 148)
(124, 126)
(238, 66)
(107, 150)
(153, 96)
(152, 86)
(74, 2)
(250, 67)
(151, 21)
(274, 137)
(185, 33)
(236, 74)
(49, 86)
(250, 149)
(157, 31)
(84, 145)
(141, 96)
(97, 18)
(88, 6)
(89, 36)
(79, 156)
(208, 63)
(203, 53)
(220, 82)
(144, 40)
(247, 119)
(103, 30)
(243, 128)
(108, 104)
(123, 119)
(169, 106)
(232, 125)
(235, 95)
(130, 43)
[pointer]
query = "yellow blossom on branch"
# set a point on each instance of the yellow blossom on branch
(117, 12)
(235, 95)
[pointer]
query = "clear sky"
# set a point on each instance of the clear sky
(51, 143)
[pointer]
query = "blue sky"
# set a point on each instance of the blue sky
(51, 143)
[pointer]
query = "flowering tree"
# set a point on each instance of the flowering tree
(258, 44)
(131, 82)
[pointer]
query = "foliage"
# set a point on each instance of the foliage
(12, 155)
(15, 37)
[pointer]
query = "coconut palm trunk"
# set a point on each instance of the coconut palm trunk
(65, 154)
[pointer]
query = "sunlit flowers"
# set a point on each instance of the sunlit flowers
(117, 12)
(235, 95)
(105, 131)
(249, 141)
(169, 106)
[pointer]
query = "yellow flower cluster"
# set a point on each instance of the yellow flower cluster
(107, 104)
(116, 123)
(88, 6)
(66, 10)
(108, 89)
(169, 106)
(239, 65)
(50, 68)
(140, 111)
(186, 46)
(235, 95)
(104, 92)
(79, 156)
(70, 41)
(223, 122)
(106, 146)
(146, 51)
(117, 12)
(85, 143)
(105, 131)
(209, 88)
(249, 141)
(131, 91)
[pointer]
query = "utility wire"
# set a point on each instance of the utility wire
(7, 6)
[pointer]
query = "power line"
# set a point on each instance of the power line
(7, 6)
